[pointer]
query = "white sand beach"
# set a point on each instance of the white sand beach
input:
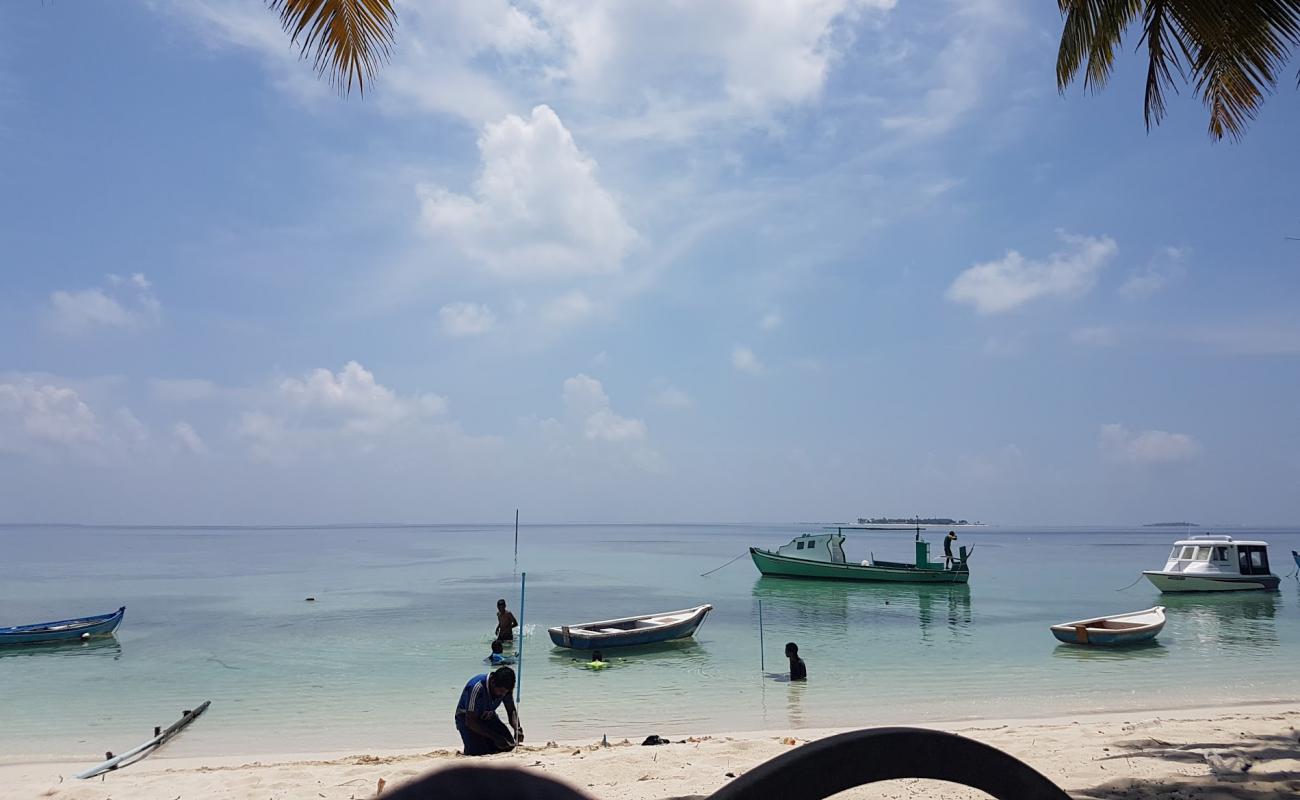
(1244, 752)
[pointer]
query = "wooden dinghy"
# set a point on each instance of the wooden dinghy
(1116, 629)
(629, 631)
(137, 753)
(63, 630)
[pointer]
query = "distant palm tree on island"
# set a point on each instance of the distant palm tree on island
(347, 39)
(1230, 50)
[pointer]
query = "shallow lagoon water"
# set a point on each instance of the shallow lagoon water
(403, 616)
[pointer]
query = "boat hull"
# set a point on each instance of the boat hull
(1116, 630)
(777, 565)
(63, 630)
(595, 640)
(1169, 583)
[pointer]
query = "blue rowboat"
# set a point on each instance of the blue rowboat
(63, 630)
(629, 631)
(1116, 629)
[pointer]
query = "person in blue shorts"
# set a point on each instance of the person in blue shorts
(496, 658)
(480, 729)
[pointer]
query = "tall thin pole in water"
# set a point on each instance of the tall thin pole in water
(519, 656)
(762, 656)
(516, 537)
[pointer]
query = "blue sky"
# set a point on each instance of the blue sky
(723, 261)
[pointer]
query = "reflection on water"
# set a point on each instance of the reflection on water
(100, 647)
(793, 603)
(1095, 654)
(676, 653)
(1245, 620)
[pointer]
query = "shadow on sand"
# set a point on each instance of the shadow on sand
(1254, 767)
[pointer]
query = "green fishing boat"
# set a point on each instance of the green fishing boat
(820, 556)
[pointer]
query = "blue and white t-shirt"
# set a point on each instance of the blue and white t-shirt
(477, 699)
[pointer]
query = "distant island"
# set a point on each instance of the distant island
(911, 521)
(1171, 525)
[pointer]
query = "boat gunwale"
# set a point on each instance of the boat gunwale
(69, 626)
(593, 628)
(1138, 627)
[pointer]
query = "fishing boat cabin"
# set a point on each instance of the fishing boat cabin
(1215, 564)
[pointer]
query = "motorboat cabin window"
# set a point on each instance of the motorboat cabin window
(798, 545)
(1220, 554)
(1202, 554)
(1188, 552)
(1252, 559)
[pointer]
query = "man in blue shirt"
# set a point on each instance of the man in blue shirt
(481, 730)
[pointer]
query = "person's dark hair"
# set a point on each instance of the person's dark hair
(496, 646)
(503, 677)
(791, 647)
(596, 656)
(501, 602)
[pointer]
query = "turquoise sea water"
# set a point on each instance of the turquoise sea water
(403, 617)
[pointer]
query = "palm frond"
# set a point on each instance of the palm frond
(348, 39)
(1239, 48)
(1093, 29)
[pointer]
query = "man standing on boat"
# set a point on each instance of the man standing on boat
(506, 623)
(947, 549)
(481, 730)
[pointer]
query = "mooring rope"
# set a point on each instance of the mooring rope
(1131, 585)
(729, 563)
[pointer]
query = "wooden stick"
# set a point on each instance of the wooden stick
(148, 747)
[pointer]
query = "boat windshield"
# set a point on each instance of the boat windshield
(1203, 553)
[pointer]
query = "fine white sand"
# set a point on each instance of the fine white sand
(1251, 752)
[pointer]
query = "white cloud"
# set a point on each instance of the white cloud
(466, 319)
(1147, 447)
(570, 308)
(121, 303)
(585, 401)
(670, 396)
(1095, 336)
(744, 360)
(188, 440)
(324, 408)
(999, 286)
(770, 321)
(537, 211)
(1167, 267)
(42, 419)
(672, 69)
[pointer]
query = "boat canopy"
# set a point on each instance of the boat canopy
(1218, 539)
(827, 547)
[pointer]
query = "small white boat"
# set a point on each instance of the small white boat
(1215, 564)
(1116, 629)
(629, 631)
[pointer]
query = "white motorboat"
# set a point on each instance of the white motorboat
(1215, 564)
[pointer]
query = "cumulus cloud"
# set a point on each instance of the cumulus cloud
(585, 401)
(744, 360)
(188, 440)
(570, 308)
(121, 303)
(466, 319)
(770, 321)
(995, 287)
(1147, 447)
(537, 210)
(324, 407)
(670, 396)
(42, 419)
(1167, 267)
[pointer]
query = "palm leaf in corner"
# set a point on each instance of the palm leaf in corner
(347, 39)
(1231, 50)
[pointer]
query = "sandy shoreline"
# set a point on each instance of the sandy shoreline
(1250, 752)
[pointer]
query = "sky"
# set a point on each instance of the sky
(653, 260)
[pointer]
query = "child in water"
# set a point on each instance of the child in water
(496, 658)
(597, 661)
